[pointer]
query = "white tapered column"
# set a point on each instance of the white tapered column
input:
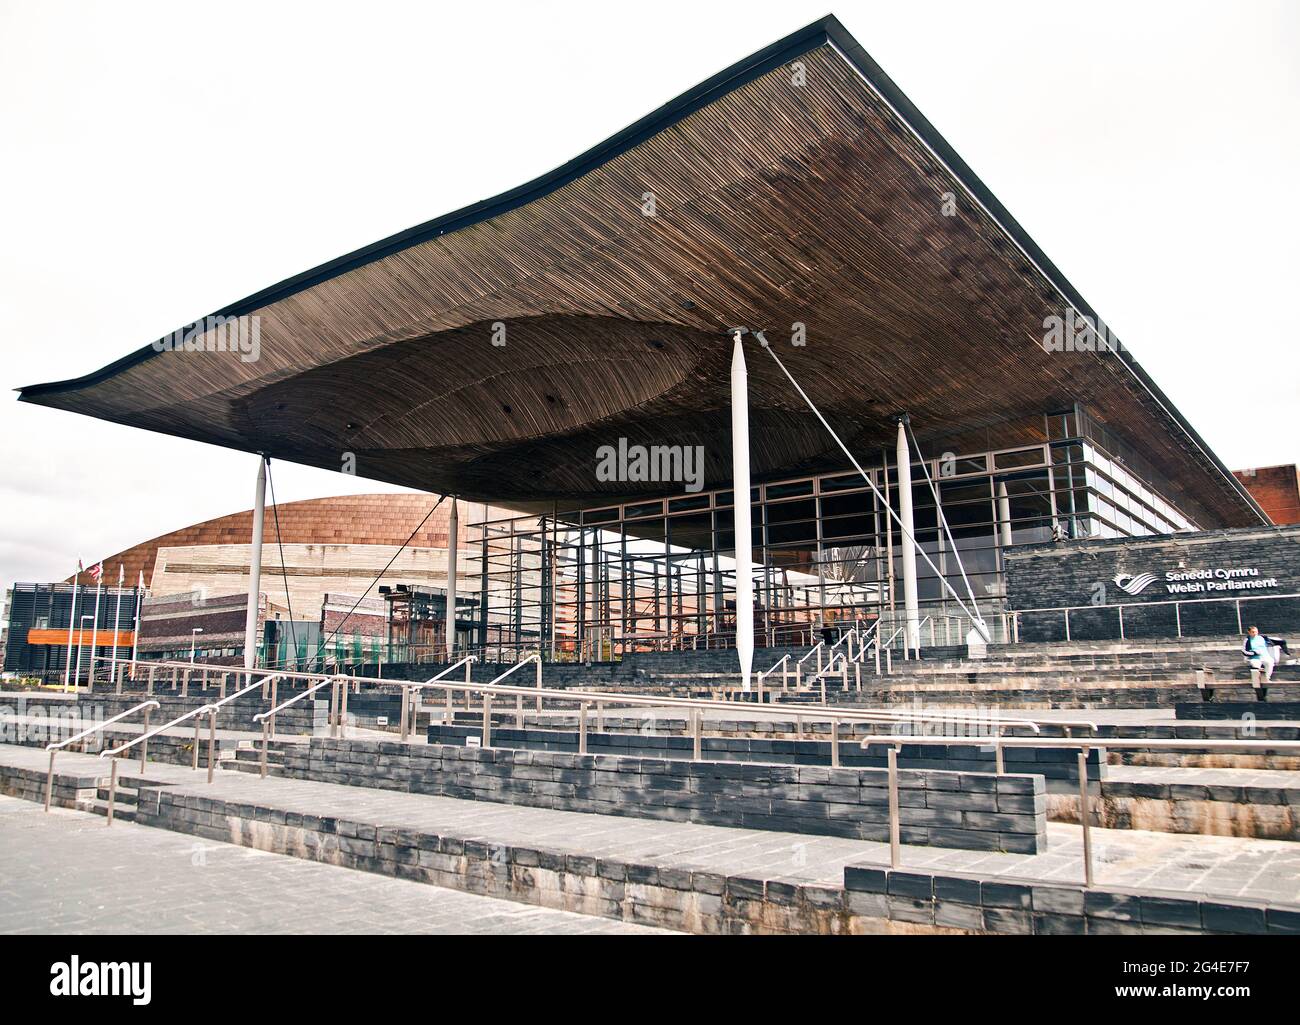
(1004, 515)
(255, 567)
(740, 489)
(911, 607)
(453, 531)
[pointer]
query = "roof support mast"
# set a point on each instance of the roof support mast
(740, 489)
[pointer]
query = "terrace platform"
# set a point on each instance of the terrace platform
(708, 878)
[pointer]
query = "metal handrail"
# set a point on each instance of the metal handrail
(763, 675)
(1148, 604)
(154, 732)
(812, 711)
(811, 652)
(1084, 746)
(54, 748)
(96, 728)
(263, 716)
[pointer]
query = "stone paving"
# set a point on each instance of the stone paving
(67, 872)
(1215, 865)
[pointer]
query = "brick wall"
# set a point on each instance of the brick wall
(1276, 489)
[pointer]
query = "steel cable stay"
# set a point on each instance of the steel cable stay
(943, 520)
(975, 619)
(401, 548)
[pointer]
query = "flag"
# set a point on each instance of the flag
(121, 574)
(96, 571)
(80, 568)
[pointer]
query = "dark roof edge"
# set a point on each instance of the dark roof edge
(883, 84)
(827, 29)
(674, 110)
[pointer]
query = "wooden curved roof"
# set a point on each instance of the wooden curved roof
(776, 202)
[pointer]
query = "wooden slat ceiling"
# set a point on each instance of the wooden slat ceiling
(776, 203)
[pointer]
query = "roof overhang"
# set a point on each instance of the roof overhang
(819, 202)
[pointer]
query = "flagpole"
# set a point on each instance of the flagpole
(135, 634)
(94, 629)
(117, 622)
(72, 619)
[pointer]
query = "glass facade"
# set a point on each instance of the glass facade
(660, 573)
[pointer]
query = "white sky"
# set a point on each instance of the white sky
(161, 160)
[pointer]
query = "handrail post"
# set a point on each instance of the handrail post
(404, 695)
(539, 683)
(450, 715)
(152, 670)
(144, 744)
(892, 763)
(1178, 618)
(334, 697)
(487, 718)
(697, 745)
(275, 700)
(1084, 815)
(343, 708)
(1121, 621)
(519, 711)
(264, 742)
(835, 743)
(194, 762)
(600, 717)
(212, 742)
(112, 788)
(582, 728)
(49, 781)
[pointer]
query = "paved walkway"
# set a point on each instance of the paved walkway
(1218, 865)
(67, 872)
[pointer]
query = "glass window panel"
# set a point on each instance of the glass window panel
(789, 490)
(843, 482)
(846, 505)
(1014, 460)
(643, 509)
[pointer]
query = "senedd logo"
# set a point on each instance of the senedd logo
(1134, 584)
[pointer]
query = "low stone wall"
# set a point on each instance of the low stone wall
(872, 900)
(945, 809)
(1028, 908)
(1267, 813)
(1286, 711)
(1050, 763)
(69, 790)
(172, 748)
(672, 898)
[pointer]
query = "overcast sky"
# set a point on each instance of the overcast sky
(161, 160)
